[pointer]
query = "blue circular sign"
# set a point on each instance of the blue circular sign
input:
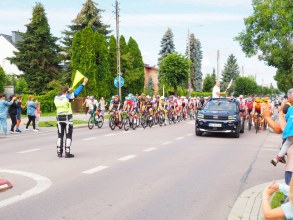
(116, 81)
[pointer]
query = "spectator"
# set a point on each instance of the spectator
(3, 113)
(286, 209)
(102, 106)
(278, 128)
(31, 113)
(38, 114)
(18, 115)
(13, 112)
(87, 103)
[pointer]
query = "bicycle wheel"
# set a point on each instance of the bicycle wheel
(150, 121)
(126, 123)
(249, 123)
(100, 121)
(91, 122)
(264, 125)
(112, 124)
(257, 125)
(170, 117)
(144, 123)
(133, 123)
(161, 120)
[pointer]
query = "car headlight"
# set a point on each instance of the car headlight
(200, 116)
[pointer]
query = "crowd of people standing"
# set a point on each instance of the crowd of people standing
(13, 108)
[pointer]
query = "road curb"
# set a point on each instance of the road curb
(248, 204)
(5, 185)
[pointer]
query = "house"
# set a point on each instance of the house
(8, 44)
(151, 72)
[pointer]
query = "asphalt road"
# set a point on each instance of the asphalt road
(154, 174)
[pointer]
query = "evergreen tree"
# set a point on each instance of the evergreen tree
(90, 15)
(2, 81)
(84, 58)
(113, 62)
(149, 90)
(37, 54)
(137, 67)
(231, 71)
(167, 44)
(214, 77)
(196, 62)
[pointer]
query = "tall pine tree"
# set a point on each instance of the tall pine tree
(167, 44)
(231, 71)
(37, 54)
(90, 15)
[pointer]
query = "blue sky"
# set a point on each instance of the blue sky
(214, 22)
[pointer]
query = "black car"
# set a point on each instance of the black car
(220, 115)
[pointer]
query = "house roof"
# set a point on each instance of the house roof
(8, 38)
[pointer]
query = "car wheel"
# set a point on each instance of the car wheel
(237, 133)
(242, 125)
(198, 133)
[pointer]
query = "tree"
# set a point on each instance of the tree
(2, 81)
(231, 70)
(149, 90)
(269, 31)
(90, 15)
(174, 70)
(245, 86)
(21, 86)
(208, 83)
(113, 62)
(167, 44)
(37, 54)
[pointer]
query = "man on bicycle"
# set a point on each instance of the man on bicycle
(257, 110)
(116, 107)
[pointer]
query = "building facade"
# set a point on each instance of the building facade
(151, 72)
(8, 44)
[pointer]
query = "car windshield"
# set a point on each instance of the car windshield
(218, 105)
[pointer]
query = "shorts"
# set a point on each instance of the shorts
(18, 115)
(258, 111)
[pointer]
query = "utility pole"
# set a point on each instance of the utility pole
(218, 65)
(118, 48)
(189, 75)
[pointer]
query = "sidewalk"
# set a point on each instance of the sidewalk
(248, 204)
(24, 120)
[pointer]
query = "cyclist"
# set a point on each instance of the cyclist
(148, 106)
(116, 107)
(163, 106)
(257, 110)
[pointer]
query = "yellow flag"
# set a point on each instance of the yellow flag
(77, 78)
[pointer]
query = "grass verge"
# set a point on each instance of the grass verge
(43, 124)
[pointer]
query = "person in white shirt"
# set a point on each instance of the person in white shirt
(216, 91)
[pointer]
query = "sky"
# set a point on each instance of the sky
(214, 22)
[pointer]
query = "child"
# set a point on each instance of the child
(38, 114)
(288, 135)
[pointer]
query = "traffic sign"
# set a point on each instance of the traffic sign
(116, 81)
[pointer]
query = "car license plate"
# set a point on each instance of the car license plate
(215, 125)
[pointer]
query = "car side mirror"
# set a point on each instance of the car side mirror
(199, 108)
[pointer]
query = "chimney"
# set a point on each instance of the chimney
(16, 37)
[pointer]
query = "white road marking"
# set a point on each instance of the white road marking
(43, 184)
(89, 139)
(95, 170)
(179, 138)
(190, 134)
(269, 149)
(109, 135)
(127, 158)
(149, 149)
(28, 151)
(167, 142)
